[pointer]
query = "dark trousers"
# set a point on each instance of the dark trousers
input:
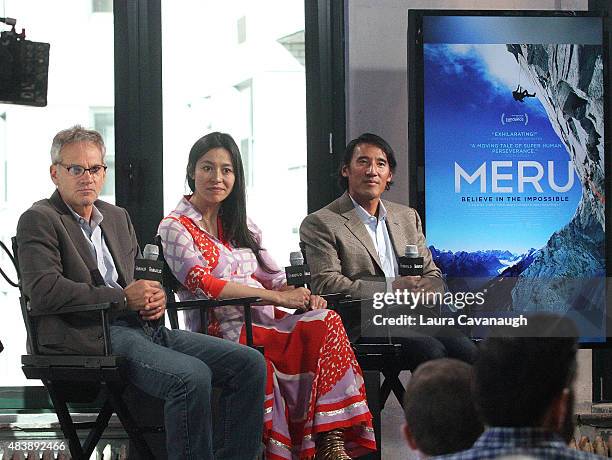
(419, 344)
(417, 350)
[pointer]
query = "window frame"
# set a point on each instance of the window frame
(139, 125)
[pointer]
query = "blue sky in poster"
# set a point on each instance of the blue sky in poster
(468, 92)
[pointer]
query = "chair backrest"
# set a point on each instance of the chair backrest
(171, 286)
(303, 249)
(169, 281)
(28, 320)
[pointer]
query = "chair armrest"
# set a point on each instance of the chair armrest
(333, 300)
(377, 349)
(210, 303)
(102, 308)
(351, 303)
(74, 309)
(203, 304)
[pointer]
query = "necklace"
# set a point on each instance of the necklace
(204, 225)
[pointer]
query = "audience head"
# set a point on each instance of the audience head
(371, 140)
(527, 381)
(440, 413)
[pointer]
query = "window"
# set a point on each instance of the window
(103, 121)
(102, 6)
(241, 27)
(254, 90)
(80, 91)
(244, 128)
(3, 169)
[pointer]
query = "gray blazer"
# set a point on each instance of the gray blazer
(342, 256)
(58, 269)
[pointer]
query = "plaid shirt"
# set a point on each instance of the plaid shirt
(535, 442)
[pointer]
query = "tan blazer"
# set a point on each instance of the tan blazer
(58, 269)
(342, 256)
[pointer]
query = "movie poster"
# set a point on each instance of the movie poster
(514, 161)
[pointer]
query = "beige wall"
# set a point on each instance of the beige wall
(376, 71)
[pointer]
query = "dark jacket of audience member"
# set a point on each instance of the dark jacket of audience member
(440, 413)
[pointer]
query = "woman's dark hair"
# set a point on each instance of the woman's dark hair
(233, 208)
(366, 138)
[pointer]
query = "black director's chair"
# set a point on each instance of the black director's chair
(80, 378)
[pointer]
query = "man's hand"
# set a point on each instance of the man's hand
(155, 308)
(294, 298)
(419, 283)
(145, 295)
(408, 283)
(317, 302)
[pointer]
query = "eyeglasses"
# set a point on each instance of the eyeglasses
(78, 170)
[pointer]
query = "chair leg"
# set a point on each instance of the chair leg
(134, 433)
(65, 420)
(385, 390)
(393, 384)
(398, 389)
(100, 425)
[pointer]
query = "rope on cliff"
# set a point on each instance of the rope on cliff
(519, 93)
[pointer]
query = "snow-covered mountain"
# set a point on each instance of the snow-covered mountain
(569, 83)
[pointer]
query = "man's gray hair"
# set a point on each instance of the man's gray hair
(75, 134)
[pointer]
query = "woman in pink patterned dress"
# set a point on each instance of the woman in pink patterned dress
(315, 397)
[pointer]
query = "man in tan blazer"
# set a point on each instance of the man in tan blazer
(342, 256)
(352, 244)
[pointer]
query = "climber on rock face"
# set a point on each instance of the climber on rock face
(518, 94)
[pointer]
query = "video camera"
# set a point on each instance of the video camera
(24, 68)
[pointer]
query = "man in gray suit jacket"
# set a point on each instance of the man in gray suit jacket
(59, 269)
(352, 244)
(75, 249)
